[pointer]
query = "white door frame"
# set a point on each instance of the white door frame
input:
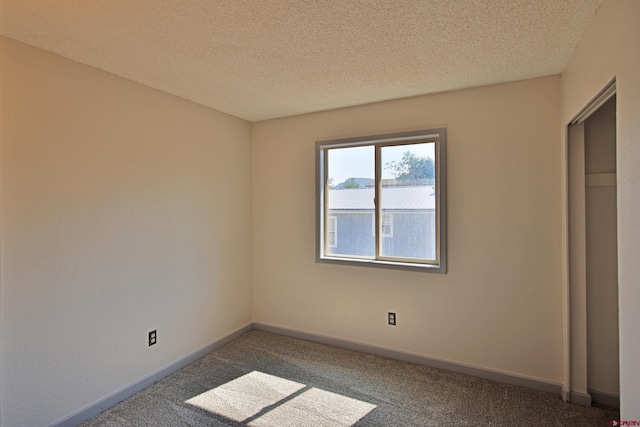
(575, 248)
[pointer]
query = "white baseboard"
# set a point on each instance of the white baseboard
(579, 398)
(500, 376)
(505, 377)
(604, 398)
(116, 397)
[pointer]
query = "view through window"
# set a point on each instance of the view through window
(381, 200)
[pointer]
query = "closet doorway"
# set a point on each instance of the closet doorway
(593, 276)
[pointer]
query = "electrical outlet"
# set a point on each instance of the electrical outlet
(392, 318)
(152, 338)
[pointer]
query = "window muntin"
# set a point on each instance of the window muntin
(405, 174)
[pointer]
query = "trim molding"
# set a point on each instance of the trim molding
(603, 96)
(579, 398)
(603, 398)
(600, 179)
(116, 397)
(490, 374)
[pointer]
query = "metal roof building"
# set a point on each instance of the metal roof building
(393, 198)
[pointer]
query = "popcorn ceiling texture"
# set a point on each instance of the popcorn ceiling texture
(274, 58)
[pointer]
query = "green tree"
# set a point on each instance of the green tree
(412, 168)
(351, 183)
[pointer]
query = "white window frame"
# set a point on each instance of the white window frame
(437, 136)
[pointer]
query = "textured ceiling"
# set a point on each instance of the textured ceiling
(260, 59)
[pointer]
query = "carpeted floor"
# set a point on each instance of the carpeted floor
(263, 379)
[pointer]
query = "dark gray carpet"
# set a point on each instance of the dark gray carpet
(263, 379)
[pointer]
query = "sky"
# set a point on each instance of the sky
(358, 162)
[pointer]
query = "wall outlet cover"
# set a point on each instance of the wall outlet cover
(392, 318)
(152, 337)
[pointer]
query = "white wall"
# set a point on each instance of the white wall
(500, 305)
(608, 49)
(124, 210)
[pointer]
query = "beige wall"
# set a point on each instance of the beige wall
(608, 49)
(124, 210)
(500, 305)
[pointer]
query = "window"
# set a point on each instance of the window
(388, 194)
(332, 232)
(386, 228)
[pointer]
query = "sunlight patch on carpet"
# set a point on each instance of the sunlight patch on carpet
(245, 396)
(318, 408)
(263, 400)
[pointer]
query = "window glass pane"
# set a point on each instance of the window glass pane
(408, 201)
(351, 173)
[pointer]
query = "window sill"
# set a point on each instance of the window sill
(425, 268)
